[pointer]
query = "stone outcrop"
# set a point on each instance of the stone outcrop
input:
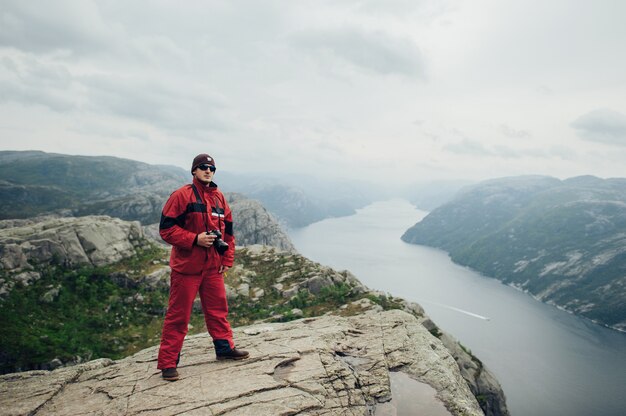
(91, 240)
(481, 381)
(253, 224)
(315, 366)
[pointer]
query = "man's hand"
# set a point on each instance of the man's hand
(205, 239)
(223, 269)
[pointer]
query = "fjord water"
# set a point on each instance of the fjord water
(548, 361)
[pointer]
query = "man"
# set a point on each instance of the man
(198, 260)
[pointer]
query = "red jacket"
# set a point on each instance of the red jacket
(185, 215)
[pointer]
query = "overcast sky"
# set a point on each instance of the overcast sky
(388, 90)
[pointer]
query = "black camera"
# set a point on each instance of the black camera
(219, 244)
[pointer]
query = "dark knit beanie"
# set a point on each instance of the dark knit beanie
(200, 159)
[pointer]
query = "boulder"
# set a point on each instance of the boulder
(258, 293)
(243, 289)
(231, 294)
(315, 284)
(291, 292)
(158, 279)
(51, 295)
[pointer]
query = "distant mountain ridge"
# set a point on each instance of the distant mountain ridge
(297, 200)
(35, 182)
(430, 195)
(564, 242)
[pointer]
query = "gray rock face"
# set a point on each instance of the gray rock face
(93, 240)
(481, 381)
(316, 366)
(253, 224)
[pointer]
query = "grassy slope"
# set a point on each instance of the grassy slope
(93, 317)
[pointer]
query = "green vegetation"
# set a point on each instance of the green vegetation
(387, 302)
(265, 271)
(85, 315)
(94, 312)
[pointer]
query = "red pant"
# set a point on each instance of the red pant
(183, 290)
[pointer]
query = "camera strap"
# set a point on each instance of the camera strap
(203, 206)
(218, 208)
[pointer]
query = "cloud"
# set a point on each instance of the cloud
(512, 133)
(602, 125)
(375, 52)
(183, 109)
(468, 147)
(31, 81)
(331, 81)
(173, 106)
(475, 148)
(422, 9)
(68, 25)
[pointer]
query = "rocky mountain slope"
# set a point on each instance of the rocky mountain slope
(564, 242)
(27, 246)
(70, 314)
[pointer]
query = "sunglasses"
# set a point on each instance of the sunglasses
(206, 166)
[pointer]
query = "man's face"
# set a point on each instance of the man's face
(204, 176)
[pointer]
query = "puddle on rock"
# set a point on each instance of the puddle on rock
(410, 397)
(284, 368)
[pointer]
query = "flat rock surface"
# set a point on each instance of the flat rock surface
(317, 366)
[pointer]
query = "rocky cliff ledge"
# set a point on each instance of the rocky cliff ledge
(316, 366)
(359, 331)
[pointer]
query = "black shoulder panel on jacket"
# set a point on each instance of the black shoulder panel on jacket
(168, 222)
(228, 227)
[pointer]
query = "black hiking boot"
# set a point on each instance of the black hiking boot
(169, 374)
(224, 352)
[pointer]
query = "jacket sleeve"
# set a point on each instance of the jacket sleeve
(172, 223)
(228, 237)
